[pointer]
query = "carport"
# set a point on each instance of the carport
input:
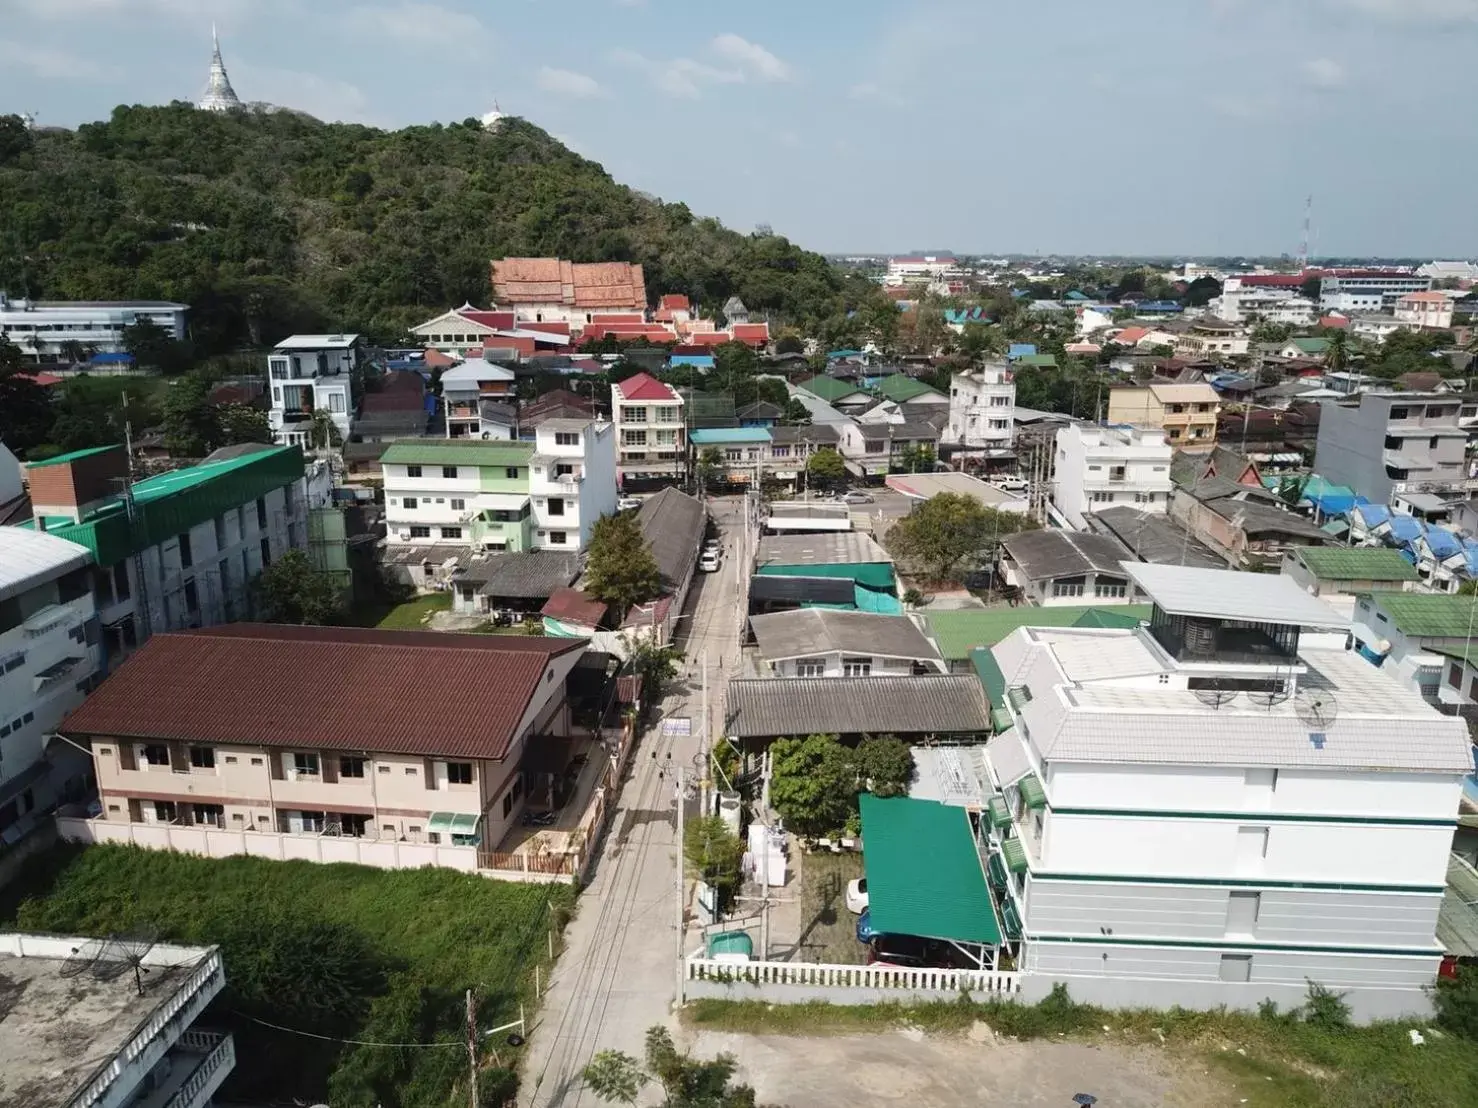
(925, 876)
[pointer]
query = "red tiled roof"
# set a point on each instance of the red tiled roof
(1337, 322)
(494, 319)
(618, 317)
(556, 399)
(1426, 297)
(752, 332)
(644, 386)
(645, 615)
(1130, 335)
(612, 285)
(1274, 280)
(435, 358)
(560, 328)
(325, 688)
(674, 302)
(706, 339)
(573, 606)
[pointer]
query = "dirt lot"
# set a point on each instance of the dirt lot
(845, 1071)
(828, 932)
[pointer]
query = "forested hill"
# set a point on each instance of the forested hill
(270, 223)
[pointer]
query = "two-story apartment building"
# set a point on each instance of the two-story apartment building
(1186, 413)
(650, 436)
(50, 653)
(181, 548)
(1420, 640)
(817, 642)
(791, 448)
(982, 409)
(1099, 467)
(742, 453)
(1381, 443)
(314, 373)
(877, 449)
(1212, 809)
(48, 329)
(237, 728)
(1210, 337)
(1424, 311)
(467, 390)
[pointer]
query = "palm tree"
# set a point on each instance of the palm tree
(324, 434)
(73, 351)
(1337, 353)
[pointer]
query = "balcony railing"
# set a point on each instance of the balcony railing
(219, 1061)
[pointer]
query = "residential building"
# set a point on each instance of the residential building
(876, 449)
(79, 1031)
(926, 486)
(1425, 311)
(910, 393)
(791, 447)
(1415, 637)
(1211, 810)
(1242, 303)
(1374, 327)
(673, 524)
(1152, 537)
(185, 556)
(743, 452)
(572, 481)
(651, 439)
(940, 707)
(1356, 290)
(843, 395)
(760, 414)
(1055, 567)
(982, 407)
(1186, 413)
(817, 642)
(965, 633)
(919, 267)
(50, 655)
(1210, 337)
(850, 557)
(472, 393)
(1348, 570)
(1302, 349)
(234, 729)
(541, 290)
(1097, 467)
(1380, 443)
(46, 330)
(314, 373)
(1250, 526)
(466, 329)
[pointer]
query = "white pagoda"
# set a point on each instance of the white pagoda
(219, 95)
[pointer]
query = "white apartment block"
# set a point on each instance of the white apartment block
(982, 409)
(45, 329)
(312, 373)
(50, 654)
(572, 480)
(920, 267)
(650, 436)
(1223, 805)
(1242, 304)
(1098, 467)
(1337, 290)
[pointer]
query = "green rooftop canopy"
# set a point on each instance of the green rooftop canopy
(924, 875)
(874, 575)
(452, 823)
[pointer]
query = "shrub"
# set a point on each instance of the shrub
(1324, 1008)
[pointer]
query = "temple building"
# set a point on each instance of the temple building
(219, 95)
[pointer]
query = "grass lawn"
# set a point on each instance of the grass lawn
(413, 615)
(1271, 1062)
(828, 930)
(343, 951)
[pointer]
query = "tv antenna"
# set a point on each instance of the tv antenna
(126, 952)
(82, 957)
(1316, 707)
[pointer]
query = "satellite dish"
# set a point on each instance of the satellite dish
(1213, 694)
(1267, 698)
(126, 952)
(1316, 707)
(82, 957)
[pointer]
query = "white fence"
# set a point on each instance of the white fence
(799, 981)
(286, 846)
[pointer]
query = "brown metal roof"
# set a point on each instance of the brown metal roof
(608, 285)
(329, 688)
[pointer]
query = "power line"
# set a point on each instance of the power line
(350, 1042)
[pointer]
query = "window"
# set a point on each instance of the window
(1400, 413)
(458, 505)
(266, 552)
(567, 438)
(120, 580)
(213, 815)
(810, 667)
(336, 402)
(409, 502)
(230, 759)
(164, 811)
(1236, 967)
(13, 662)
(451, 532)
(507, 804)
(256, 761)
(156, 754)
(384, 769)
(1109, 591)
(1455, 675)
(187, 559)
(449, 472)
(780, 452)
(420, 532)
(1067, 586)
(413, 471)
(558, 538)
(192, 597)
(351, 767)
(633, 415)
(305, 764)
(203, 757)
(999, 401)
(734, 455)
(459, 773)
(856, 667)
(556, 506)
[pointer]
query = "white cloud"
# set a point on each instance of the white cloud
(751, 57)
(321, 97)
(1243, 107)
(1414, 11)
(565, 82)
(422, 24)
(48, 64)
(1323, 73)
(683, 78)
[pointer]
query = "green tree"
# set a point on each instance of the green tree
(1202, 291)
(1456, 999)
(91, 411)
(796, 414)
(191, 426)
(654, 663)
(241, 423)
(323, 432)
(25, 406)
(914, 459)
(980, 341)
(686, 1082)
(825, 469)
(789, 343)
(1271, 332)
(715, 853)
(155, 348)
(813, 784)
(733, 360)
(885, 765)
(620, 569)
(945, 533)
(293, 590)
(710, 464)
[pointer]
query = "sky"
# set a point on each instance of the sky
(1158, 127)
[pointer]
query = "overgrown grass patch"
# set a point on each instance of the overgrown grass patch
(413, 615)
(344, 951)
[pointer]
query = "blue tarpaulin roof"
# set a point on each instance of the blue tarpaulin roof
(1441, 542)
(1373, 515)
(1021, 349)
(1405, 529)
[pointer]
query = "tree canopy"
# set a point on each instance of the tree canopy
(944, 533)
(815, 781)
(621, 570)
(293, 590)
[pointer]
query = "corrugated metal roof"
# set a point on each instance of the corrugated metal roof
(816, 631)
(325, 688)
(1337, 563)
(901, 388)
(832, 548)
(1428, 615)
(1230, 594)
(924, 875)
(718, 435)
(673, 524)
(28, 559)
(1050, 552)
(449, 452)
(935, 704)
(959, 632)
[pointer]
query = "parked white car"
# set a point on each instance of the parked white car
(857, 896)
(855, 497)
(708, 561)
(628, 504)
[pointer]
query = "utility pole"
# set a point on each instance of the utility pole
(471, 1049)
(703, 741)
(681, 773)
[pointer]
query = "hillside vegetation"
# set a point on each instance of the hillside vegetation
(267, 224)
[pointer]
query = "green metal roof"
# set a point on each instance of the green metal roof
(990, 675)
(1465, 653)
(1015, 855)
(1032, 791)
(451, 452)
(1311, 345)
(1340, 563)
(924, 875)
(62, 459)
(828, 388)
(1046, 360)
(1426, 615)
(900, 387)
(1012, 921)
(875, 575)
(959, 632)
(171, 503)
(1000, 720)
(453, 823)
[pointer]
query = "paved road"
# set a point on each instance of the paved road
(617, 975)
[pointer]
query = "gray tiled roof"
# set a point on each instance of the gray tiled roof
(827, 548)
(1052, 553)
(525, 575)
(767, 707)
(1154, 537)
(673, 523)
(825, 631)
(818, 433)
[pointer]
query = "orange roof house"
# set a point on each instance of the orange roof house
(596, 286)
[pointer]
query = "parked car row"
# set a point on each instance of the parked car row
(711, 557)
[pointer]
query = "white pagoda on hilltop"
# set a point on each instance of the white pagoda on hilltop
(219, 95)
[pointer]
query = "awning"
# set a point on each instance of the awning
(999, 812)
(989, 672)
(1000, 720)
(875, 575)
(1012, 921)
(1015, 855)
(924, 874)
(1032, 792)
(453, 823)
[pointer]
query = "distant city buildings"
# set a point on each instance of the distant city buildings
(47, 330)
